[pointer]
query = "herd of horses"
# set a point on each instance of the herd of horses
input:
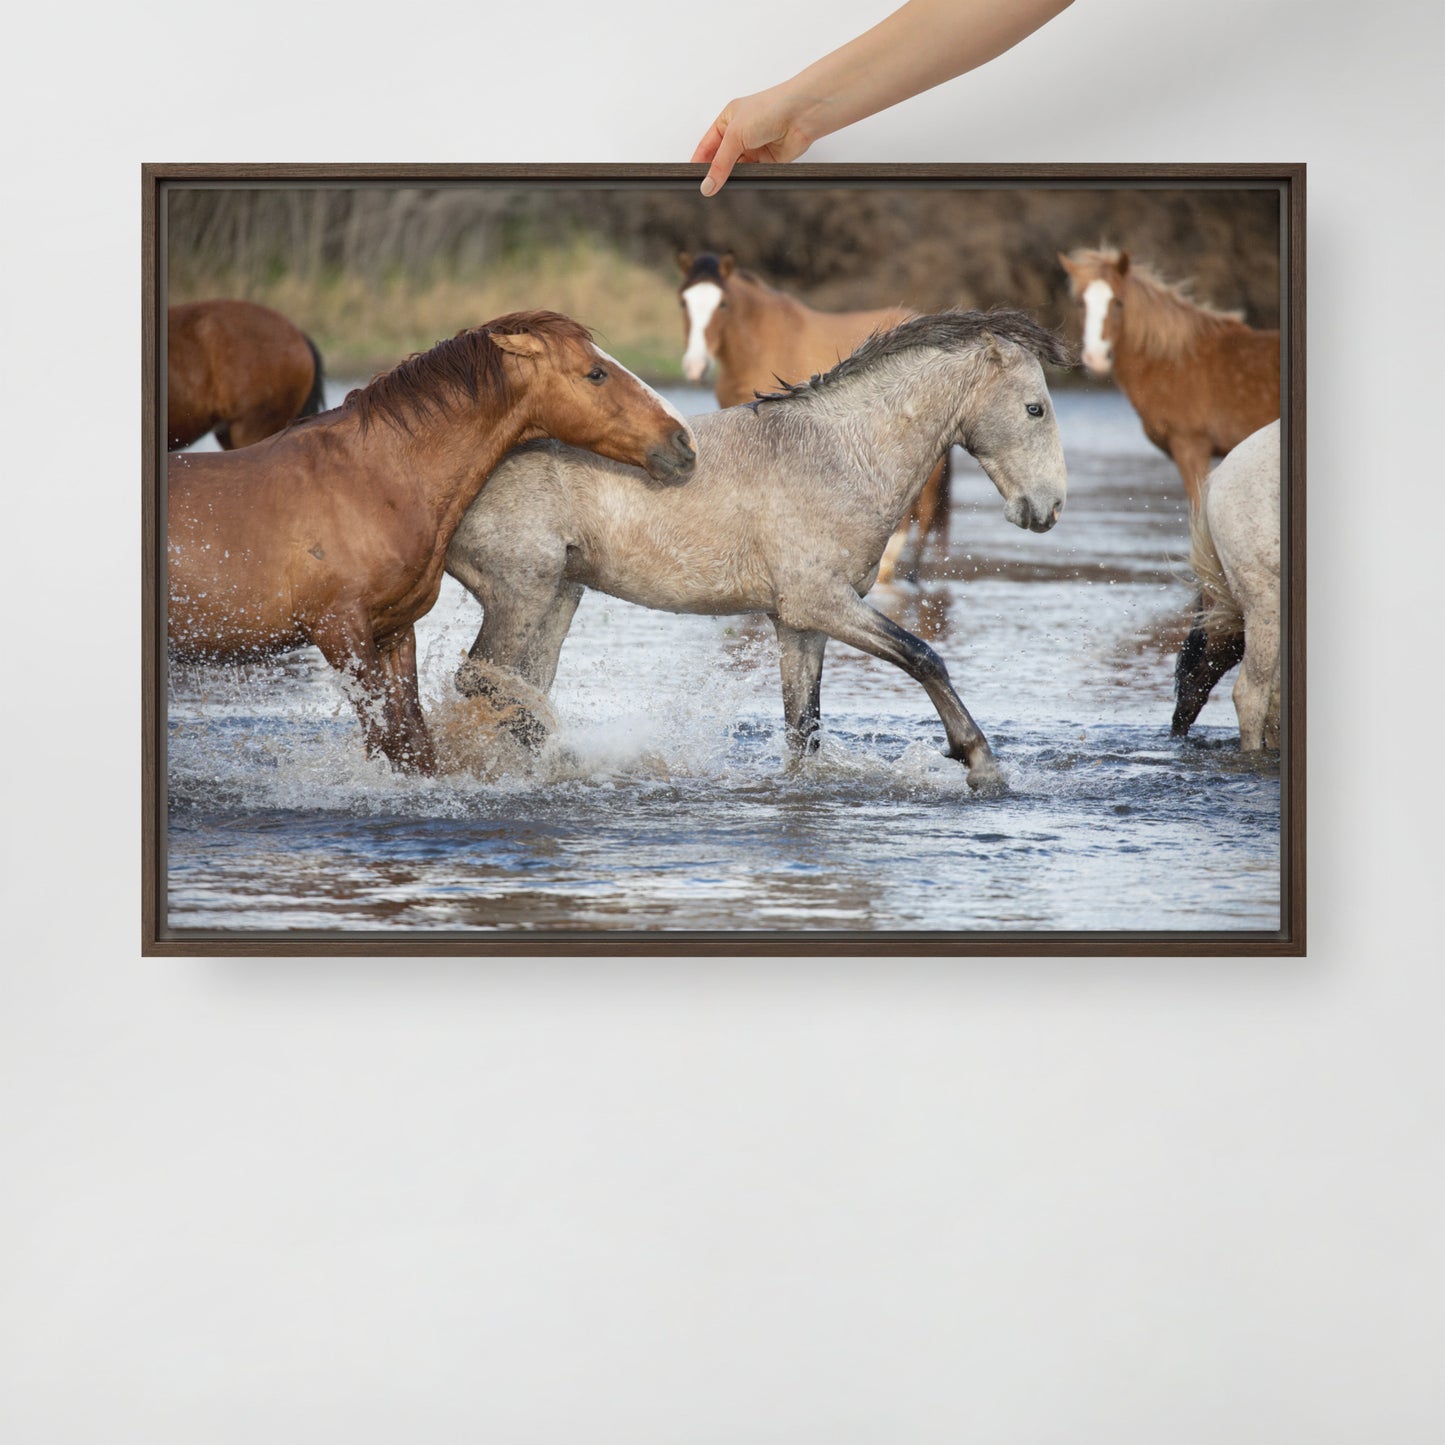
(529, 464)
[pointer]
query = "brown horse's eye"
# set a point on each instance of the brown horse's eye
(597, 376)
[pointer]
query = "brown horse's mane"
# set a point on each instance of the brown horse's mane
(952, 330)
(1163, 319)
(467, 368)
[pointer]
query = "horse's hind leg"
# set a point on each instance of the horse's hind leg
(1256, 690)
(801, 655)
(842, 614)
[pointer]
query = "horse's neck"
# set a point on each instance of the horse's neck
(1150, 380)
(762, 324)
(444, 461)
(1171, 331)
(899, 429)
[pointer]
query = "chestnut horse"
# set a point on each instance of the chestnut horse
(335, 531)
(758, 338)
(1200, 379)
(238, 369)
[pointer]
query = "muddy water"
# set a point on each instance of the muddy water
(664, 799)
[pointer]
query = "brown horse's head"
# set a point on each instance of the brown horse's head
(577, 393)
(1096, 283)
(703, 298)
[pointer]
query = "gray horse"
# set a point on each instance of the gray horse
(792, 503)
(1235, 553)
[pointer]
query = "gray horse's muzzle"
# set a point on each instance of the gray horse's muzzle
(674, 461)
(1033, 515)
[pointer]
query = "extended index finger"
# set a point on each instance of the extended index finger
(707, 146)
(729, 151)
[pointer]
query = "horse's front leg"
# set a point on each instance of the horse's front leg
(522, 633)
(1191, 453)
(415, 744)
(347, 643)
(839, 612)
(801, 657)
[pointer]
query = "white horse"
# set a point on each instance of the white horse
(1235, 554)
(792, 503)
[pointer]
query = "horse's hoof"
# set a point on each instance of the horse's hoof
(471, 681)
(528, 729)
(985, 778)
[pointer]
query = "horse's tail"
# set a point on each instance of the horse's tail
(316, 398)
(1216, 641)
(1219, 612)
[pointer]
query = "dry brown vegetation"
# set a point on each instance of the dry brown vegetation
(375, 273)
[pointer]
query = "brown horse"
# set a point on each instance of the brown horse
(1200, 379)
(335, 531)
(758, 337)
(238, 369)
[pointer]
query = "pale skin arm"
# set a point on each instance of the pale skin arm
(921, 45)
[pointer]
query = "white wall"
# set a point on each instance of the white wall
(716, 1201)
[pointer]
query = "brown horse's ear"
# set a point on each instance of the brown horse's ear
(1123, 263)
(725, 266)
(684, 261)
(1067, 263)
(520, 344)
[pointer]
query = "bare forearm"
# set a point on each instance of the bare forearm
(917, 47)
(920, 45)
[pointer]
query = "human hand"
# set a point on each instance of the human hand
(762, 127)
(920, 45)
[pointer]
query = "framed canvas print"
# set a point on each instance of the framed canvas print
(866, 560)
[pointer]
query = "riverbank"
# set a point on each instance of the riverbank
(363, 326)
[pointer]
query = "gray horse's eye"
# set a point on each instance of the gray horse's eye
(1034, 409)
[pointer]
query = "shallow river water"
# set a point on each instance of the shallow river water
(664, 800)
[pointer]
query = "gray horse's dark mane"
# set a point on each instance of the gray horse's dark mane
(945, 330)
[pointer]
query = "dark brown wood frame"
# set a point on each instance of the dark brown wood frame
(1288, 940)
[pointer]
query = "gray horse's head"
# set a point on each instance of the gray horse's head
(1011, 432)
